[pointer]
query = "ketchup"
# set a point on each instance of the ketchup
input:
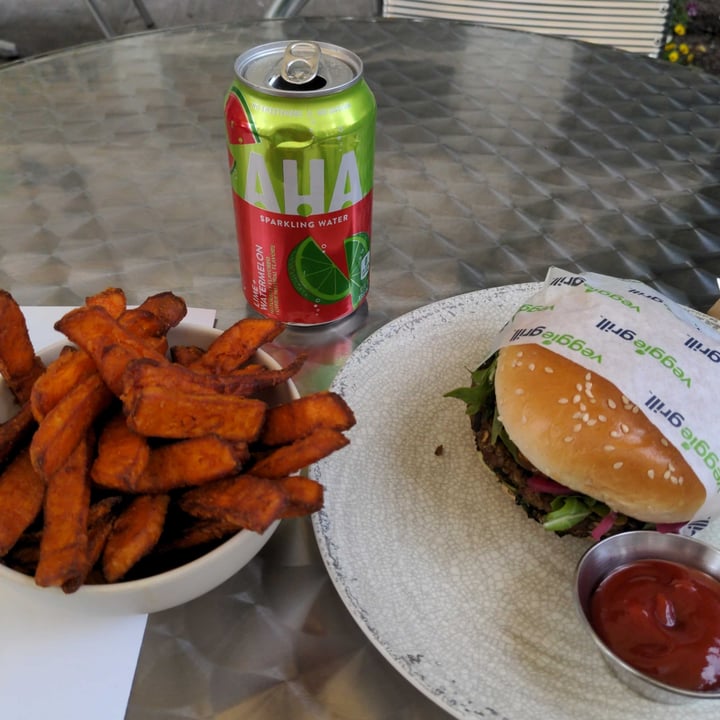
(663, 619)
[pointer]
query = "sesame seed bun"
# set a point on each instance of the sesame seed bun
(578, 429)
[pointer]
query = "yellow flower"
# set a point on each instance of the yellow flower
(670, 46)
(679, 29)
(673, 56)
(690, 57)
(684, 49)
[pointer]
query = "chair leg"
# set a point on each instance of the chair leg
(8, 50)
(144, 14)
(285, 8)
(100, 19)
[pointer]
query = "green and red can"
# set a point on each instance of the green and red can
(300, 123)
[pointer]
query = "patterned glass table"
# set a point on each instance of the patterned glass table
(498, 155)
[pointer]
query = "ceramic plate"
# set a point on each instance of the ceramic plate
(466, 597)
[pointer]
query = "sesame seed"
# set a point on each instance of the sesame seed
(519, 391)
(624, 428)
(578, 387)
(583, 407)
(563, 401)
(635, 410)
(576, 399)
(591, 422)
(666, 475)
(549, 370)
(586, 417)
(608, 448)
(588, 376)
(577, 416)
(568, 439)
(602, 418)
(519, 353)
(664, 442)
(615, 434)
(651, 474)
(577, 427)
(611, 404)
(531, 366)
(617, 465)
(681, 479)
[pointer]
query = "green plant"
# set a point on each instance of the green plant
(677, 49)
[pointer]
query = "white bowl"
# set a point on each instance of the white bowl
(167, 589)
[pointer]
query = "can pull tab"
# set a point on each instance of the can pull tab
(300, 63)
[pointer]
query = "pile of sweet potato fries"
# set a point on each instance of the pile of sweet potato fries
(127, 456)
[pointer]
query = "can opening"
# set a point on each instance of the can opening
(299, 68)
(280, 83)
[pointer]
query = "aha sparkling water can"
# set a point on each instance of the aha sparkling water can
(300, 123)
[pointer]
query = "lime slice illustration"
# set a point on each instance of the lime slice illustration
(314, 275)
(357, 252)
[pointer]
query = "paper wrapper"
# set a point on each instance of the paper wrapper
(663, 358)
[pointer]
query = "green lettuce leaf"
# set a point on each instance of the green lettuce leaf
(482, 387)
(567, 511)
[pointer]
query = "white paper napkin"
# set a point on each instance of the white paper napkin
(59, 663)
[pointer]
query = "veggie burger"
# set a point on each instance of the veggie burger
(576, 454)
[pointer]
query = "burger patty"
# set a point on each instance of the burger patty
(514, 478)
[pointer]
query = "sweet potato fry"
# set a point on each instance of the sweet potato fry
(246, 501)
(235, 346)
(304, 496)
(101, 518)
(134, 534)
(65, 425)
(150, 320)
(21, 497)
(154, 317)
(167, 308)
(157, 412)
(64, 542)
(254, 379)
(185, 355)
(112, 299)
(103, 509)
(288, 459)
(291, 421)
(71, 367)
(109, 344)
(25, 554)
(122, 455)
(195, 461)
(16, 432)
(199, 532)
(185, 462)
(174, 377)
(18, 363)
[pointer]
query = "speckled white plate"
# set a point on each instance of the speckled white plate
(465, 596)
